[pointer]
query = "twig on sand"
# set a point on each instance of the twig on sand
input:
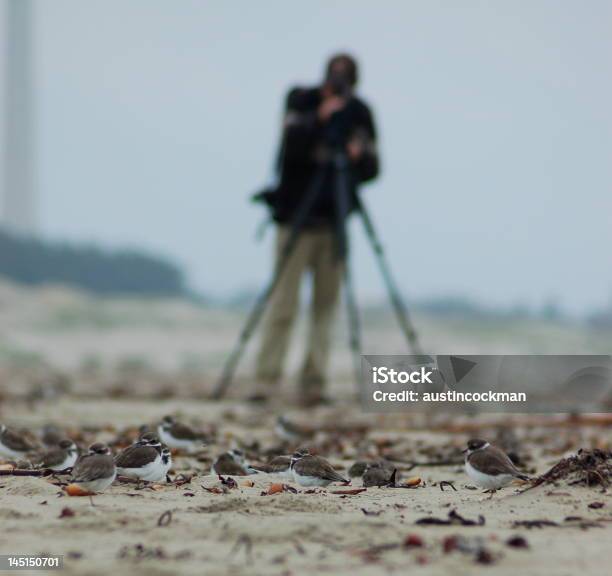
(454, 518)
(165, 518)
(35, 473)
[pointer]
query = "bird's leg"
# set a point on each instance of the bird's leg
(91, 500)
(492, 491)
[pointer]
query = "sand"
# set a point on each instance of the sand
(99, 366)
(243, 531)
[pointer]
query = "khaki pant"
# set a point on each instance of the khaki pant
(314, 252)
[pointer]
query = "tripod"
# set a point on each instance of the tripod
(342, 202)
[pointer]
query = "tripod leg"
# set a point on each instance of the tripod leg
(397, 303)
(354, 327)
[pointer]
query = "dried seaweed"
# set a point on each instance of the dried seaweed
(586, 467)
(20, 472)
(228, 481)
(533, 523)
(454, 518)
(517, 542)
(570, 522)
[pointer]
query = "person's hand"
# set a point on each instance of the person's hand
(330, 106)
(354, 149)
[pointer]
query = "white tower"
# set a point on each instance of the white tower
(17, 166)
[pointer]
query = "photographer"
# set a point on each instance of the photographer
(317, 121)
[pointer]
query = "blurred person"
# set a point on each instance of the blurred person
(311, 115)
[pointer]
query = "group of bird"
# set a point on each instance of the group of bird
(149, 459)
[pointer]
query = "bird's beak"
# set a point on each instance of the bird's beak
(464, 451)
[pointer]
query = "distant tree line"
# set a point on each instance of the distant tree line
(32, 261)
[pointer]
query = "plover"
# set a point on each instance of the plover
(166, 455)
(379, 473)
(177, 435)
(279, 466)
(357, 470)
(488, 466)
(309, 470)
(95, 471)
(13, 444)
(62, 457)
(142, 460)
(232, 463)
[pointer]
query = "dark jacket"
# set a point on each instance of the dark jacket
(307, 147)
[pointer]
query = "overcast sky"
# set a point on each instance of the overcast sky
(158, 119)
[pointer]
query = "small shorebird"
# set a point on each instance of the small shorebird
(62, 457)
(142, 460)
(309, 470)
(378, 473)
(232, 463)
(489, 467)
(95, 471)
(279, 466)
(357, 470)
(166, 454)
(164, 451)
(177, 435)
(13, 444)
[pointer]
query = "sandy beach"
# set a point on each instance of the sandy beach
(210, 528)
(240, 530)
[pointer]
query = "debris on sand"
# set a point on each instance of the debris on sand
(352, 492)
(278, 488)
(412, 482)
(568, 522)
(474, 547)
(413, 541)
(371, 512)
(165, 518)
(529, 524)
(517, 542)
(140, 552)
(454, 518)
(66, 512)
(586, 467)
